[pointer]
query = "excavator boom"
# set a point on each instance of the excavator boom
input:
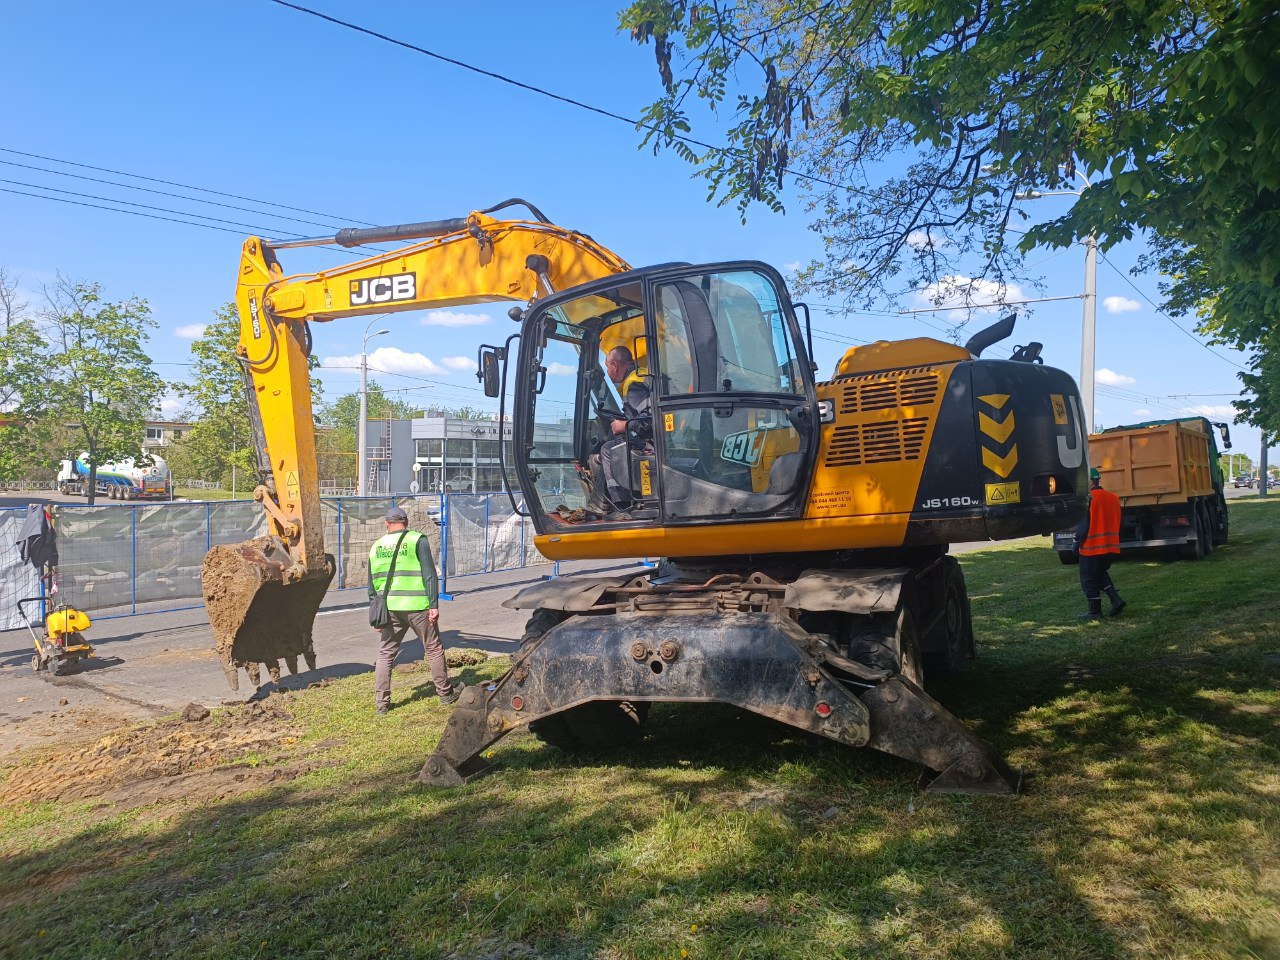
(262, 595)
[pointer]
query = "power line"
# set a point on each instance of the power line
(184, 186)
(152, 216)
(1161, 313)
(136, 213)
(130, 203)
(163, 193)
(501, 78)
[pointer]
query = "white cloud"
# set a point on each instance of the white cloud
(926, 240)
(172, 407)
(956, 290)
(452, 318)
(1143, 412)
(389, 360)
(561, 370)
(459, 363)
(1121, 305)
(1220, 410)
(1112, 379)
(192, 331)
(792, 267)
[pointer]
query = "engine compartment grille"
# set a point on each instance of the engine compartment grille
(902, 388)
(854, 444)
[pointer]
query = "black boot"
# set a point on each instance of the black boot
(1117, 604)
(1095, 609)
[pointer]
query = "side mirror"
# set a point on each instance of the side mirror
(1226, 435)
(489, 374)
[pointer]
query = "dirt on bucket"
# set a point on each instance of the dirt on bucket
(255, 616)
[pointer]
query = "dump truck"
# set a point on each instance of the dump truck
(803, 523)
(1170, 484)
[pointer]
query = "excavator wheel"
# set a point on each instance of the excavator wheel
(600, 725)
(958, 623)
(591, 727)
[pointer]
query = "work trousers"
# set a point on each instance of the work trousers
(1094, 578)
(615, 464)
(433, 652)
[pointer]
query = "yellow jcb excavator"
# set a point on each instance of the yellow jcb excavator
(804, 524)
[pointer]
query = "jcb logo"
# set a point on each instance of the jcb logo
(399, 286)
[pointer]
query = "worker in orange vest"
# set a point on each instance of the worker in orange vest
(1098, 542)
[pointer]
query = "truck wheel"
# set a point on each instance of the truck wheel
(591, 726)
(1194, 550)
(1068, 558)
(1207, 527)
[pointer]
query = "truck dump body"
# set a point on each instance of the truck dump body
(1155, 464)
(1169, 482)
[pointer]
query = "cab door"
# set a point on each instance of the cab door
(735, 416)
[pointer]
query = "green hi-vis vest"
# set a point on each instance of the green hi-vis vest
(407, 592)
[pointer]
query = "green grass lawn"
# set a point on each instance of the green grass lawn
(207, 494)
(1148, 826)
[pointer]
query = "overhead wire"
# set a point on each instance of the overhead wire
(184, 186)
(502, 78)
(1160, 312)
(163, 193)
(131, 203)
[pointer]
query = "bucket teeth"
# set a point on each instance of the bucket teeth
(229, 669)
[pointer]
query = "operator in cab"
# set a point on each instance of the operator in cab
(615, 454)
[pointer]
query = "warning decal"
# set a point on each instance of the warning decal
(1059, 408)
(1001, 493)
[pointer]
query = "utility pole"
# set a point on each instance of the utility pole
(1263, 479)
(1089, 327)
(361, 426)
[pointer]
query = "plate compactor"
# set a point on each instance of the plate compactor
(63, 645)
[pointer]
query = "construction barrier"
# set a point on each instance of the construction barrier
(124, 559)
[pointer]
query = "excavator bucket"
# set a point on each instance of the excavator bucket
(256, 615)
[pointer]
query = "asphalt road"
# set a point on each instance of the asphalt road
(152, 664)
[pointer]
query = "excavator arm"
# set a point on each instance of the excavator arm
(262, 595)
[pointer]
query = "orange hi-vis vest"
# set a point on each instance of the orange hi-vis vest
(1104, 524)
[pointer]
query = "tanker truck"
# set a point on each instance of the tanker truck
(147, 478)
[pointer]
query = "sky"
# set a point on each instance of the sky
(283, 110)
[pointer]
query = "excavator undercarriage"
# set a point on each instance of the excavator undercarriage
(603, 650)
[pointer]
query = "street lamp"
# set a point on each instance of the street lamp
(361, 427)
(1089, 325)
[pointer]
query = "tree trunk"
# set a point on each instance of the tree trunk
(92, 490)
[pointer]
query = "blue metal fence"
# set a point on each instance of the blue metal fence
(123, 559)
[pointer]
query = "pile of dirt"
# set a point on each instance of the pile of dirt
(464, 656)
(195, 759)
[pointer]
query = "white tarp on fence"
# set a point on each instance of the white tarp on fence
(17, 579)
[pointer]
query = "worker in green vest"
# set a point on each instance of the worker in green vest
(413, 602)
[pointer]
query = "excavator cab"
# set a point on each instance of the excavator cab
(713, 418)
